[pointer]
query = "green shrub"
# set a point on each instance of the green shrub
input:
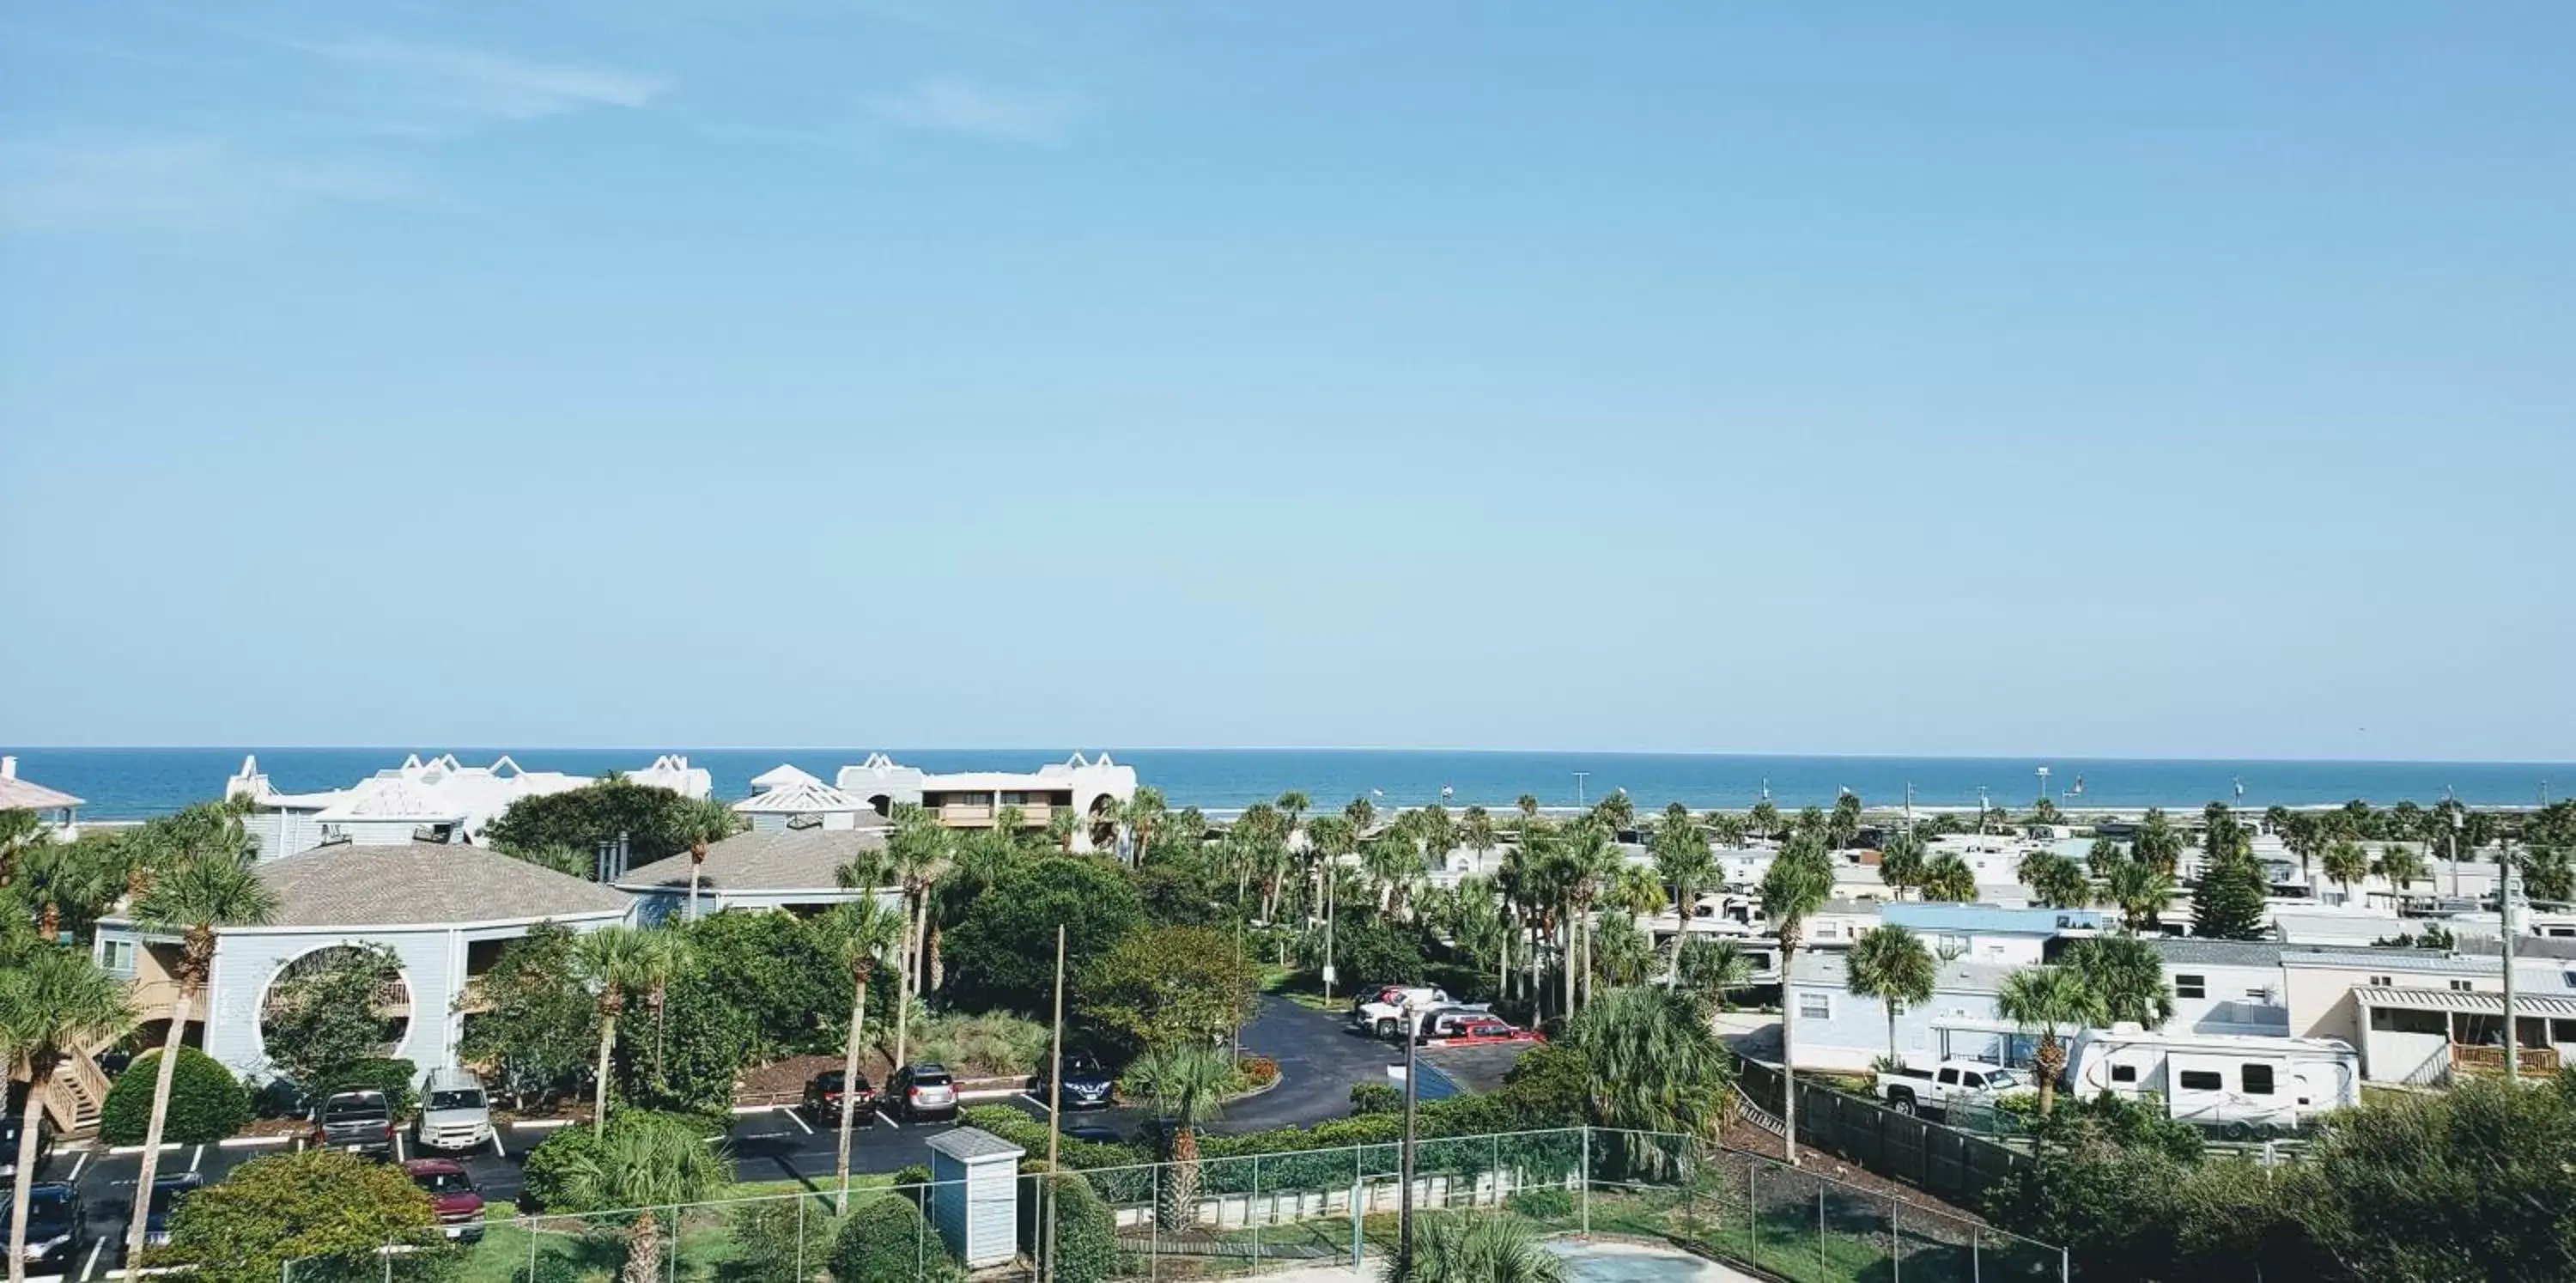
(330, 1212)
(767, 1234)
(1548, 1203)
(1373, 951)
(1375, 1098)
(543, 1176)
(397, 1078)
(206, 1103)
(1086, 1233)
(995, 1043)
(912, 1180)
(885, 1239)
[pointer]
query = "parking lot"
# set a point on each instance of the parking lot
(1319, 1061)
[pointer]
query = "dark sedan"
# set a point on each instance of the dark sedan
(53, 1226)
(1086, 1085)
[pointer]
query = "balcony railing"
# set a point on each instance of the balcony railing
(2529, 1060)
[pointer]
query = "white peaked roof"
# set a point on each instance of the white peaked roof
(813, 797)
(782, 776)
(448, 791)
(673, 772)
(392, 800)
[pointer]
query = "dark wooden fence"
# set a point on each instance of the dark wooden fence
(1948, 1164)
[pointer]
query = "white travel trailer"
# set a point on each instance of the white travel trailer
(2240, 1084)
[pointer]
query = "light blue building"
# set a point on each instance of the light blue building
(1836, 1029)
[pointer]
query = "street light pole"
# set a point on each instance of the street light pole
(1404, 1197)
(2504, 911)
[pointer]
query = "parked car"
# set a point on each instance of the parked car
(1451, 1022)
(454, 1113)
(54, 1229)
(1096, 1134)
(823, 1097)
(168, 1193)
(451, 1194)
(1086, 1085)
(924, 1091)
(359, 1122)
(9, 1135)
(1933, 1090)
(1387, 1010)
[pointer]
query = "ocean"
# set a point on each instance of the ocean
(131, 783)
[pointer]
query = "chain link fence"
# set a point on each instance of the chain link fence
(1242, 1216)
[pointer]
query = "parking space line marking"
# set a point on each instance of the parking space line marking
(398, 1147)
(889, 1122)
(1032, 1099)
(496, 1143)
(792, 1117)
(197, 1158)
(90, 1270)
(77, 1164)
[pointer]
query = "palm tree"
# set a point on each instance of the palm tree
(2142, 891)
(1616, 812)
(54, 1006)
(1709, 969)
(706, 820)
(74, 880)
(1184, 1083)
(2158, 842)
(1588, 859)
(1842, 827)
(2041, 999)
(860, 931)
(666, 955)
(1949, 878)
(205, 883)
(1478, 1247)
(647, 1161)
(2129, 975)
(1657, 1066)
(913, 857)
(2347, 862)
(1796, 885)
(611, 960)
(1477, 833)
(1062, 823)
(1528, 805)
(2056, 881)
(2401, 865)
(1764, 817)
(1683, 861)
(977, 860)
(1143, 813)
(1476, 921)
(1892, 965)
(1900, 863)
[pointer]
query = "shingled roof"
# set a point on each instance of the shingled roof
(424, 884)
(792, 860)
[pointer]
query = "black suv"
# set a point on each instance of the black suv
(53, 1226)
(823, 1097)
(1086, 1085)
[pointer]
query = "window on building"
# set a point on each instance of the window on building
(2258, 1080)
(2462, 985)
(1828, 931)
(1815, 1006)
(2399, 1020)
(2259, 996)
(2191, 986)
(2202, 1080)
(2383, 981)
(117, 956)
(2124, 1073)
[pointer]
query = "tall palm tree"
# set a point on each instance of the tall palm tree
(1709, 969)
(705, 821)
(2142, 891)
(1144, 812)
(1948, 878)
(1293, 806)
(2158, 842)
(53, 1006)
(2347, 862)
(647, 1161)
(1764, 817)
(1528, 805)
(205, 882)
(2129, 975)
(2057, 882)
(1438, 833)
(2040, 999)
(1062, 823)
(666, 955)
(1893, 965)
(1796, 885)
(1478, 1247)
(71, 880)
(860, 931)
(1477, 921)
(1900, 863)
(1477, 832)
(1185, 1083)
(1842, 827)
(1588, 858)
(1616, 812)
(611, 961)
(912, 859)
(2401, 865)
(1683, 861)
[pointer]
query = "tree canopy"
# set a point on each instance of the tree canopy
(657, 822)
(1164, 985)
(1003, 953)
(320, 1203)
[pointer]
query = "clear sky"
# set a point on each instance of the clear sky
(2117, 379)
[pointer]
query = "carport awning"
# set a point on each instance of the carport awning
(2489, 1004)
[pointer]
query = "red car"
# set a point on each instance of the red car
(451, 1192)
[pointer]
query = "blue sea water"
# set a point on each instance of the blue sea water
(125, 783)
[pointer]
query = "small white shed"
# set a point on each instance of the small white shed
(976, 1201)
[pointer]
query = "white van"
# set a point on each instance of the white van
(2241, 1085)
(454, 1113)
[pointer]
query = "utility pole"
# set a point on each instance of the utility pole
(2504, 910)
(2456, 817)
(1404, 1197)
(1055, 1103)
(1578, 788)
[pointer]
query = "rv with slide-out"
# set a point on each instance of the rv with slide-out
(2239, 1085)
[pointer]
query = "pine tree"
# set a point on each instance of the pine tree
(2228, 904)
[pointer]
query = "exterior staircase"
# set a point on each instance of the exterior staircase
(79, 1092)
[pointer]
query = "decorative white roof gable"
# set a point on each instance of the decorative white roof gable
(672, 771)
(782, 776)
(812, 797)
(383, 799)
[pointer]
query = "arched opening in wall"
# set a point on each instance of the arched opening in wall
(881, 804)
(328, 1009)
(1104, 822)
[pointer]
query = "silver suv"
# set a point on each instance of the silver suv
(453, 1111)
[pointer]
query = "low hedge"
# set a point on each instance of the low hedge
(886, 1238)
(206, 1102)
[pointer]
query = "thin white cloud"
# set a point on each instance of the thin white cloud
(957, 106)
(173, 182)
(496, 85)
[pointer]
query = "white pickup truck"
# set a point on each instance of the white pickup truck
(1913, 1089)
(1392, 1011)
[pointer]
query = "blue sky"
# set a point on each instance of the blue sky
(2177, 379)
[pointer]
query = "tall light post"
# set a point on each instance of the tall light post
(2504, 913)
(2043, 784)
(1578, 788)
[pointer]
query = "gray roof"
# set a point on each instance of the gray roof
(966, 1143)
(788, 860)
(424, 883)
(2219, 953)
(1832, 968)
(2432, 960)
